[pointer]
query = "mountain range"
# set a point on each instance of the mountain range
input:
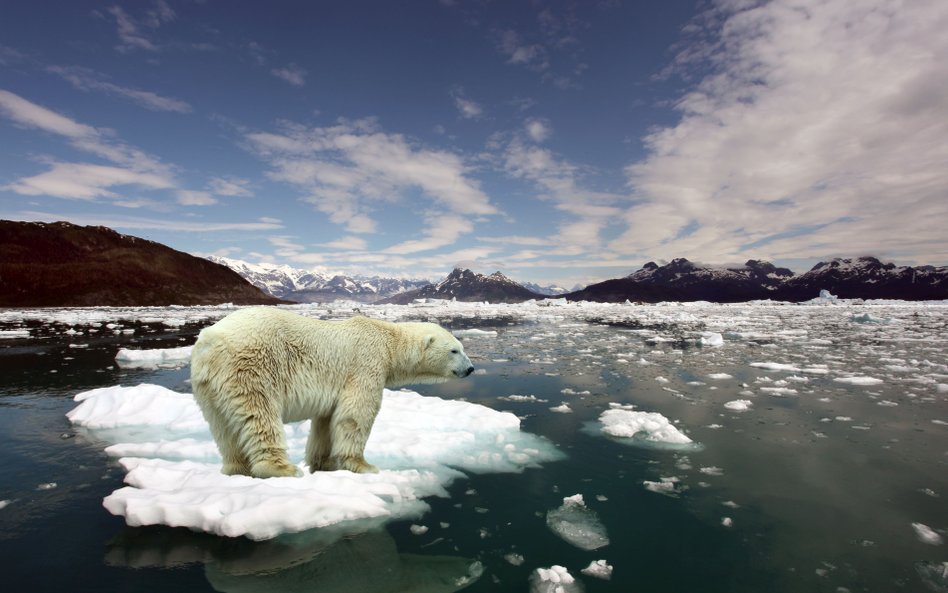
(682, 280)
(60, 264)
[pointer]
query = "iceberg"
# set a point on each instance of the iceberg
(420, 444)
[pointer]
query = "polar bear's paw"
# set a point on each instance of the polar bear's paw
(353, 464)
(270, 469)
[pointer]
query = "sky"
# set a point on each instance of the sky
(557, 142)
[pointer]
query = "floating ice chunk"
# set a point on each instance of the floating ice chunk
(418, 529)
(933, 574)
(776, 366)
(14, 333)
(711, 339)
(727, 522)
(598, 569)
(662, 379)
(646, 426)
(926, 534)
(779, 391)
(562, 409)
(867, 318)
(670, 486)
(712, 471)
(739, 405)
(521, 398)
(47, 486)
(421, 444)
(577, 524)
(5, 503)
(858, 380)
(718, 376)
(469, 333)
(137, 359)
(555, 579)
(514, 559)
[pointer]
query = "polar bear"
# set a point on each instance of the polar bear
(260, 367)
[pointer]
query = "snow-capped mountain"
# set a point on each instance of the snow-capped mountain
(308, 286)
(682, 280)
(549, 290)
(466, 285)
(869, 278)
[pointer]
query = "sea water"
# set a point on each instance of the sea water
(807, 452)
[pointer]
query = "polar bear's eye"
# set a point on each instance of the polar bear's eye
(454, 351)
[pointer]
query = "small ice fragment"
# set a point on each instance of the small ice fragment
(515, 559)
(739, 405)
(711, 339)
(599, 569)
(858, 380)
(555, 579)
(720, 376)
(727, 521)
(731, 504)
(418, 529)
(5, 503)
(926, 534)
(712, 471)
(668, 486)
(561, 409)
(47, 486)
(577, 524)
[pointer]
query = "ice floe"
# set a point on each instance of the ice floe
(578, 524)
(739, 405)
(421, 444)
(599, 569)
(130, 358)
(650, 427)
(858, 380)
(555, 579)
(926, 534)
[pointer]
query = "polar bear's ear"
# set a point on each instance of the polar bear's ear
(428, 341)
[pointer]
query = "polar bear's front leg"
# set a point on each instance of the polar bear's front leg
(349, 431)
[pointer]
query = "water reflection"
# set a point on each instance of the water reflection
(320, 560)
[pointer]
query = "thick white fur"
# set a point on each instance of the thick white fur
(260, 367)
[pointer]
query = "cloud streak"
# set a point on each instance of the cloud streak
(346, 169)
(819, 131)
(88, 81)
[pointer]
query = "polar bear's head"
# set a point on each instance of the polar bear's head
(440, 355)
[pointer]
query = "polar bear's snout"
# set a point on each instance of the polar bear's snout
(464, 366)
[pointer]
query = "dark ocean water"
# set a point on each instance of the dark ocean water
(820, 487)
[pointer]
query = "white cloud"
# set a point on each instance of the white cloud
(31, 115)
(87, 80)
(349, 243)
(467, 108)
(348, 169)
(128, 32)
(189, 197)
(820, 131)
(291, 73)
(441, 231)
(534, 56)
(230, 186)
(587, 213)
(539, 130)
(128, 222)
(84, 181)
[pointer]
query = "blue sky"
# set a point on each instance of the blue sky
(563, 142)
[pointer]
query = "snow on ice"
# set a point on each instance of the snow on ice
(421, 444)
(599, 569)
